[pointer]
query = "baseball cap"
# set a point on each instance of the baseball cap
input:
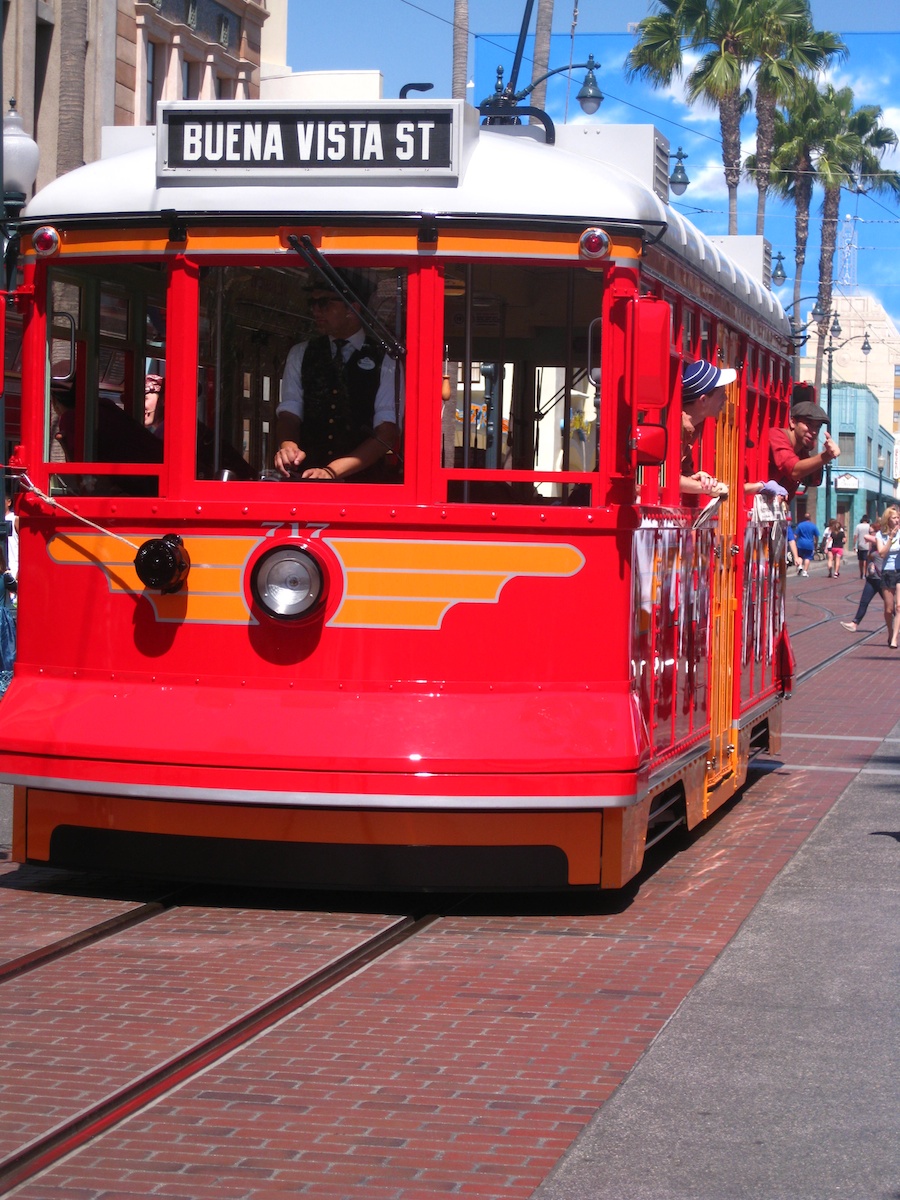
(698, 378)
(809, 411)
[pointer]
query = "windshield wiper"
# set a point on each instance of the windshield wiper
(315, 259)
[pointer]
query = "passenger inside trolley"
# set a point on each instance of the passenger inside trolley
(802, 438)
(341, 406)
(216, 457)
(154, 403)
(702, 396)
(115, 435)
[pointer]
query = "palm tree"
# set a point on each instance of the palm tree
(542, 29)
(786, 50)
(848, 157)
(73, 29)
(772, 40)
(798, 131)
(460, 72)
(724, 27)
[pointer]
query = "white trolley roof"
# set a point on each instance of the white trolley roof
(384, 159)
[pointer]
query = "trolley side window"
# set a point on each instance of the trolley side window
(106, 332)
(251, 317)
(521, 382)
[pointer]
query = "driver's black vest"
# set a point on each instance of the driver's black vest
(338, 406)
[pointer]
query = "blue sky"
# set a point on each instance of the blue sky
(411, 41)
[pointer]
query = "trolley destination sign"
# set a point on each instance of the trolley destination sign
(384, 139)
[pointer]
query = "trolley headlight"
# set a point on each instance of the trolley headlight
(163, 564)
(287, 583)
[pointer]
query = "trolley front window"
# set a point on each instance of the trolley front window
(106, 332)
(521, 382)
(266, 350)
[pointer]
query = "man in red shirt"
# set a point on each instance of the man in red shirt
(793, 454)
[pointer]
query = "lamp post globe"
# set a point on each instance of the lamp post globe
(21, 158)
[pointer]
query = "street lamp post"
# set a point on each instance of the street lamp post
(835, 331)
(18, 169)
(501, 108)
(799, 336)
(829, 350)
(881, 462)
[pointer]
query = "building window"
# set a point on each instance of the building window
(847, 443)
(190, 80)
(152, 93)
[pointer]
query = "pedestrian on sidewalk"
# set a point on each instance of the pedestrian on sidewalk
(871, 589)
(807, 537)
(862, 544)
(887, 543)
(835, 550)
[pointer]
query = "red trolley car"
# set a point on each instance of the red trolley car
(514, 659)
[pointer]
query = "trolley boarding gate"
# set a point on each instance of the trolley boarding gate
(510, 660)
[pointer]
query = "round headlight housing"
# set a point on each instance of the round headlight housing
(287, 583)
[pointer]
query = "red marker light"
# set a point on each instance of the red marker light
(45, 241)
(594, 244)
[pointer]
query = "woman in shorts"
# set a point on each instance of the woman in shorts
(887, 543)
(835, 550)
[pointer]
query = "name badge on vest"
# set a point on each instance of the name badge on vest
(366, 364)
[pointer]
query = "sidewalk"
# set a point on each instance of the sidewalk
(778, 1078)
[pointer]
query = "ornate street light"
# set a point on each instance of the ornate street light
(866, 348)
(778, 272)
(799, 336)
(678, 180)
(20, 166)
(502, 108)
(18, 171)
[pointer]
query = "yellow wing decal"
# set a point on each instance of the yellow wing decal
(215, 593)
(390, 584)
(387, 584)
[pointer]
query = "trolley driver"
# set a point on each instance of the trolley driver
(338, 415)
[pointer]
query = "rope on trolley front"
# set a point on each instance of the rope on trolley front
(54, 503)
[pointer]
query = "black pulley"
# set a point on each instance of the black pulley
(163, 563)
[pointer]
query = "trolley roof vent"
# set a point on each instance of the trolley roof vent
(639, 149)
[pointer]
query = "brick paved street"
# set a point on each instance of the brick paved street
(466, 1061)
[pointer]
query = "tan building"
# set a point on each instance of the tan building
(861, 316)
(110, 61)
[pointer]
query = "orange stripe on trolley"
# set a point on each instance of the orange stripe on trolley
(374, 240)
